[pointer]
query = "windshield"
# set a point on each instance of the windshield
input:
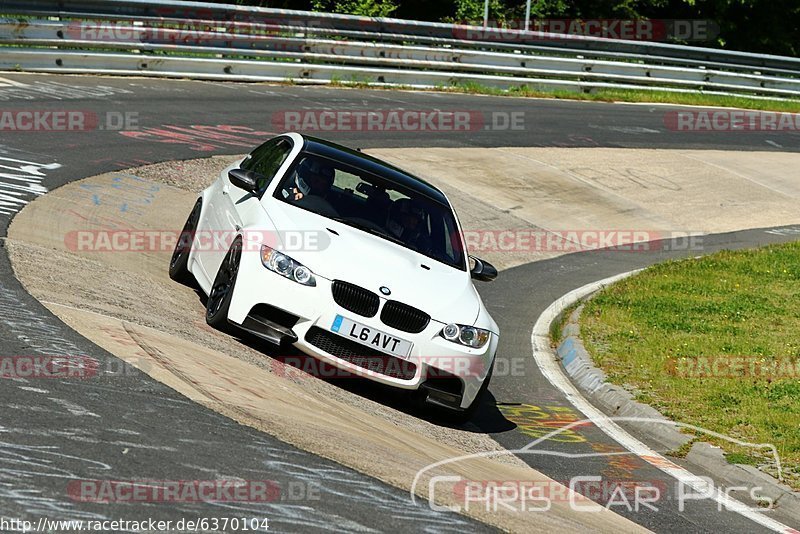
(375, 205)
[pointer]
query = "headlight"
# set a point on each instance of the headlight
(466, 335)
(280, 263)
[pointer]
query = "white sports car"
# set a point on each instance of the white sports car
(352, 260)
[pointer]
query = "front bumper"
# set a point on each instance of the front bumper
(451, 374)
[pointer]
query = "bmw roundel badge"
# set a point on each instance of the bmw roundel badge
(386, 291)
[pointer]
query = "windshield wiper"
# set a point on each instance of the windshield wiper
(370, 230)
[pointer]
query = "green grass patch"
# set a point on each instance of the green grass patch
(663, 331)
(637, 95)
(557, 326)
(739, 458)
(683, 450)
(658, 97)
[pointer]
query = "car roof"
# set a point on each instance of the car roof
(354, 158)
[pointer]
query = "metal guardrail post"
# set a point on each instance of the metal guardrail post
(427, 50)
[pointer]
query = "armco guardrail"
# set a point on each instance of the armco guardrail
(214, 41)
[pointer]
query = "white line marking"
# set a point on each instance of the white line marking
(71, 407)
(34, 390)
(548, 363)
(626, 129)
(773, 143)
(5, 82)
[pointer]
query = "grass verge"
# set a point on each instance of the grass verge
(639, 95)
(713, 342)
(603, 95)
(557, 326)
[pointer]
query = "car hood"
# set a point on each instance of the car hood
(369, 261)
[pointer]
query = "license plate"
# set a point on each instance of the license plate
(371, 337)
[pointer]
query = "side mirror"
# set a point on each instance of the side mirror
(483, 271)
(247, 180)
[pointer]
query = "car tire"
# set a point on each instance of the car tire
(219, 298)
(179, 263)
(466, 415)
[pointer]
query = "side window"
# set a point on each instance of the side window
(267, 159)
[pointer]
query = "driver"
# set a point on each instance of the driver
(408, 222)
(312, 178)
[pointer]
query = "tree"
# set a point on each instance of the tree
(765, 26)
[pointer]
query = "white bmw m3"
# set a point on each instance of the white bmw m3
(350, 259)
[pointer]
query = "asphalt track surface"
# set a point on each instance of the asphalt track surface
(142, 429)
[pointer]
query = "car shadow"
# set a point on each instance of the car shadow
(488, 419)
